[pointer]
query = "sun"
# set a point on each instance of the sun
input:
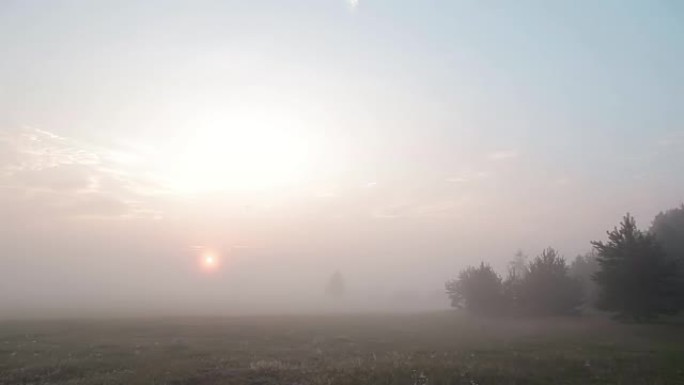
(209, 262)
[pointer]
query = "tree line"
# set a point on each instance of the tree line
(633, 274)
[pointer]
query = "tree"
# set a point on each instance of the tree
(668, 228)
(518, 266)
(335, 287)
(478, 290)
(583, 268)
(547, 288)
(512, 286)
(637, 280)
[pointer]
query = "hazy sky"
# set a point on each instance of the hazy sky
(394, 140)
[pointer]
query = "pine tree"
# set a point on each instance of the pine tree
(636, 279)
(583, 268)
(668, 229)
(513, 284)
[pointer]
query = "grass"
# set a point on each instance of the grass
(418, 349)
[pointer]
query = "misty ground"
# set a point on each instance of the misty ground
(428, 348)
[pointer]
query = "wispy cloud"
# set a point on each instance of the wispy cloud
(44, 171)
(34, 149)
(353, 4)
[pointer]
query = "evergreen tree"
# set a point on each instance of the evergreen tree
(583, 268)
(512, 285)
(637, 280)
(518, 266)
(668, 228)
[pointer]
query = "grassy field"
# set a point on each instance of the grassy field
(431, 348)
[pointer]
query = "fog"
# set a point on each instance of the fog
(388, 143)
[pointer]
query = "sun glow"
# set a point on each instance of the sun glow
(209, 261)
(255, 152)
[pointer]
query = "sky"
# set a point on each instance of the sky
(396, 141)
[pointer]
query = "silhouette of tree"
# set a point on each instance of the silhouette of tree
(335, 287)
(668, 228)
(518, 265)
(583, 268)
(547, 288)
(512, 286)
(637, 280)
(477, 289)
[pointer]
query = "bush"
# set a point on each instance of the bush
(477, 289)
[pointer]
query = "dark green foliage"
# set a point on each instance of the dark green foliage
(668, 228)
(541, 287)
(547, 289)
(512, 293)
(583, 268)
(477, 289)
(518, 267)
(512, 286)
(637, 280)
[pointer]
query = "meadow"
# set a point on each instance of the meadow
(420, 349)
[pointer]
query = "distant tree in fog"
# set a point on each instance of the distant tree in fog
(637, 279)
(518, 266)
(335, 287)
(547, 288)
(512, 285)
(668, 229)
(540, 287)
(477, 289)
(583, 268)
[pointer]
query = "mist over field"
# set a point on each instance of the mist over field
(394, 142)
(341, 192)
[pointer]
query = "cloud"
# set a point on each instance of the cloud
(353, 4)
(37, 149)
(70, 177)
(502, 155)
(44, 174)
